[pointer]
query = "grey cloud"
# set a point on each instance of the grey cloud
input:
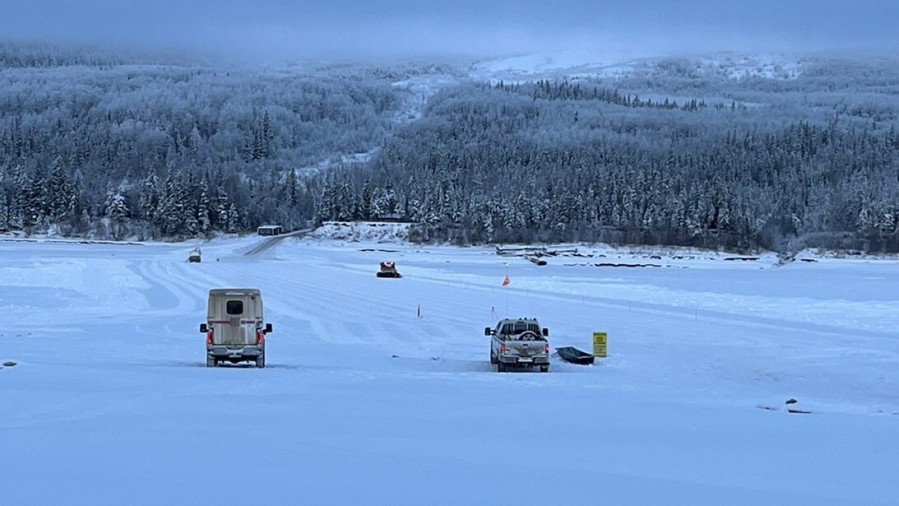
(278, 29)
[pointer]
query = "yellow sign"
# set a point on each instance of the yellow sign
(600, 341)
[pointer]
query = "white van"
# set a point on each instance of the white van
(234, 327)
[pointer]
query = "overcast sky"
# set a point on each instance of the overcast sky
(276, 30)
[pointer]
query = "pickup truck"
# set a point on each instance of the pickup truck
(519, 342)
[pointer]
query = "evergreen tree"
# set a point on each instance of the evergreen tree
(204, 219)
(222, 208)
(233, 223)
(291, 188)
(31, 198)
(116, 210)
(62, 195)
(365, 201)
(170, 217)
(149, 196)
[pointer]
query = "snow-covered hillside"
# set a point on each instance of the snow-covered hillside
(379, 391)
(613, 64)
(553, 64)
(609, 64)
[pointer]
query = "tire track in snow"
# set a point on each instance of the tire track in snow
(315, 295)
(234, 274)
(161, 275)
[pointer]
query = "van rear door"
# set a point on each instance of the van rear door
(234, 319)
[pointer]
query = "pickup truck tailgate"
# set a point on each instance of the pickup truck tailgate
(525, 349)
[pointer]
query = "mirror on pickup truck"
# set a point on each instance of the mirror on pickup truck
(545, 332)
(203, 327)
(268, 328)
(488, 331)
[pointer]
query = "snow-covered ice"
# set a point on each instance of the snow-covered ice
(363, 401)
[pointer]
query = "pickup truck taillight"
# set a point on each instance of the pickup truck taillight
(209, 337)
(546, 348)
(260, 337)
(502, 348)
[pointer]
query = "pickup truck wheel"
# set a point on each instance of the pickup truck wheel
(500, 367)
(210, 362)
(544, 368)
(493, 359)
(260, 361)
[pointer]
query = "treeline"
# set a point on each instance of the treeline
(545, 89)
(20, 55)
(179, 204)
(499, 164)
(75, 138)
(673, 153)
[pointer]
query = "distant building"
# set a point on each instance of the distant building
(270, 230)
(391, 217)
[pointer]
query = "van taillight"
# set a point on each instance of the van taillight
(502, 348)
(260, 337)
(209, 337)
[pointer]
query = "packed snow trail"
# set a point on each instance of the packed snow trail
(270, 242)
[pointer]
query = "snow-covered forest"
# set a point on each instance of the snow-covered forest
(690, 151)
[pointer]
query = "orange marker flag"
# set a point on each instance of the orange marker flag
(506, 281)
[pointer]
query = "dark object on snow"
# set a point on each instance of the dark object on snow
(9, 364)
(611, 264)
(574, 355)
(794, 409)
(388, 270)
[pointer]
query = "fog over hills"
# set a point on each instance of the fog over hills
(278, 31)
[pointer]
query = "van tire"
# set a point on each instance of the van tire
(544, 368)
(493, 359)
(260, 361)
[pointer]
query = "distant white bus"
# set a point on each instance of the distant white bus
(270, 230)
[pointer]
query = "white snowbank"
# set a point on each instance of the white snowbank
(361, 231)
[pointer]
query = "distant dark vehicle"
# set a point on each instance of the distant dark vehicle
(270, 230)
(388, 270)
(389, 217)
